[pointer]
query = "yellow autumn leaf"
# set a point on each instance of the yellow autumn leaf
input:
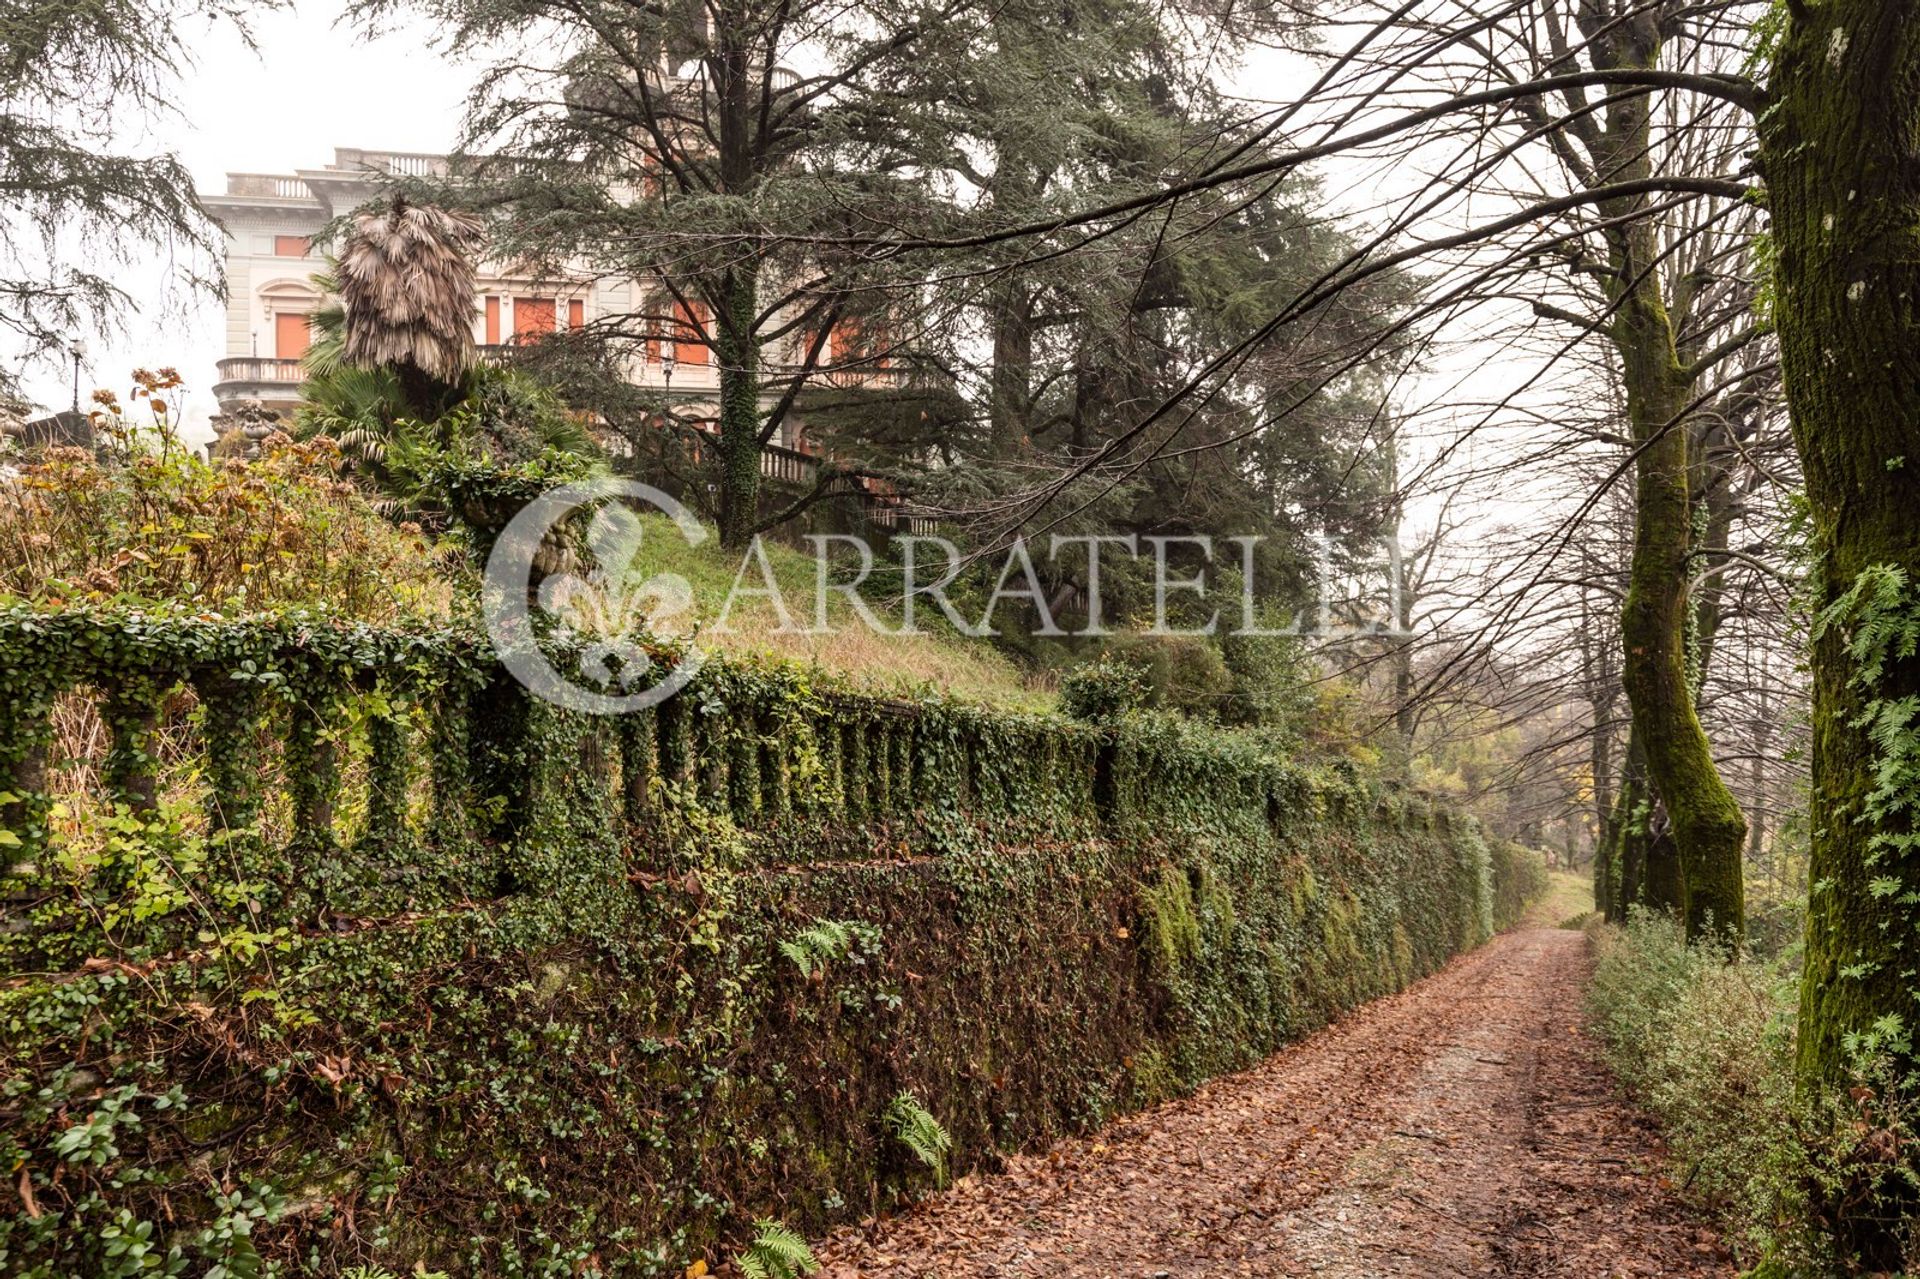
(697, 1269)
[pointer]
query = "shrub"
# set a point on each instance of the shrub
(1273, 681)
(1103, 690)
(1704, 1040)
(1183, 673)
(286, 530)
(1703, 1044)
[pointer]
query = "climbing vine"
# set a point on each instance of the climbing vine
(437, 973)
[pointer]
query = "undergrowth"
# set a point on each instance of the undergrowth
(776, 1253)
(1704, 1040)
(920, 1133)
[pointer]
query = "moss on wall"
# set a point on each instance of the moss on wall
(567, 1038)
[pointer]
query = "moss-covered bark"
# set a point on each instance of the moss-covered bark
(1646, 861)
(737, 351)
(1841, 155)
(1708, 828)
(734, 289)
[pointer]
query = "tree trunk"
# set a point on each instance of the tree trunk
(736, 349)
(1842, 163)
(1706, 824)
(1709, 601)
(734, 288)
(1602, 694)
(1757, 778)
(1011, 408)
(1708, 827)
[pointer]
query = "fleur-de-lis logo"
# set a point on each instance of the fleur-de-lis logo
(600, 606)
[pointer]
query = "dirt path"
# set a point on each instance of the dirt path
(1462, 1127)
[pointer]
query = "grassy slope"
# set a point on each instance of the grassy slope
(1568, 896)
(886, 663)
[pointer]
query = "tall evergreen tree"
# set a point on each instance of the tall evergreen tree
(738, 152)
(75, 81)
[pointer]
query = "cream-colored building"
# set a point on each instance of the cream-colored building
(271, 221)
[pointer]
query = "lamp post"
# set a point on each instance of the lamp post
(78, 350)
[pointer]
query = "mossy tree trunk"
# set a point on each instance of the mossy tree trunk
(1708, 829)
(737, 70)
(737, 351)
(1841, 155)
(1646, 861)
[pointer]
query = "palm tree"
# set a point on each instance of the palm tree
(391, 373)
(406, 283)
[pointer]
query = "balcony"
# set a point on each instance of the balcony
(399, 164)
(259, 368)
(272, 185)
(884, 508)
(275, 383)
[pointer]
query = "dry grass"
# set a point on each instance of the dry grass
(940, 658)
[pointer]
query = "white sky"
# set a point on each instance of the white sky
(311, 85)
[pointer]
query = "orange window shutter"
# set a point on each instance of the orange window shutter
(291, 246)
(690, 344)
(493, 321)
(849, 342)
(532, 317)
(291, 334)
(576, 313)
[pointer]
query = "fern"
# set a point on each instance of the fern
(828, 941)
(921, 1133)
(776, 1253)
(1878, 621)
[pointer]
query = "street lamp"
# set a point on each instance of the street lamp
(78, 350)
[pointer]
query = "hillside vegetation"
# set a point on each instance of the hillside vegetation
(881, 661)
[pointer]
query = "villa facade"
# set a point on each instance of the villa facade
(275, 220)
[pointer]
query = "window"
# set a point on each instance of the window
(655, 334)
(292, 246)
(292, 334)
(531, 318)
(689, 341)
(576, 313)
(493, 321)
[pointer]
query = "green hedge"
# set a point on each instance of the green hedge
(525, 992)
(1519, 878)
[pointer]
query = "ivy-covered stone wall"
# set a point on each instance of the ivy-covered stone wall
(423, 971)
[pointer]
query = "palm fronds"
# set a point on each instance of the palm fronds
(406, 283)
